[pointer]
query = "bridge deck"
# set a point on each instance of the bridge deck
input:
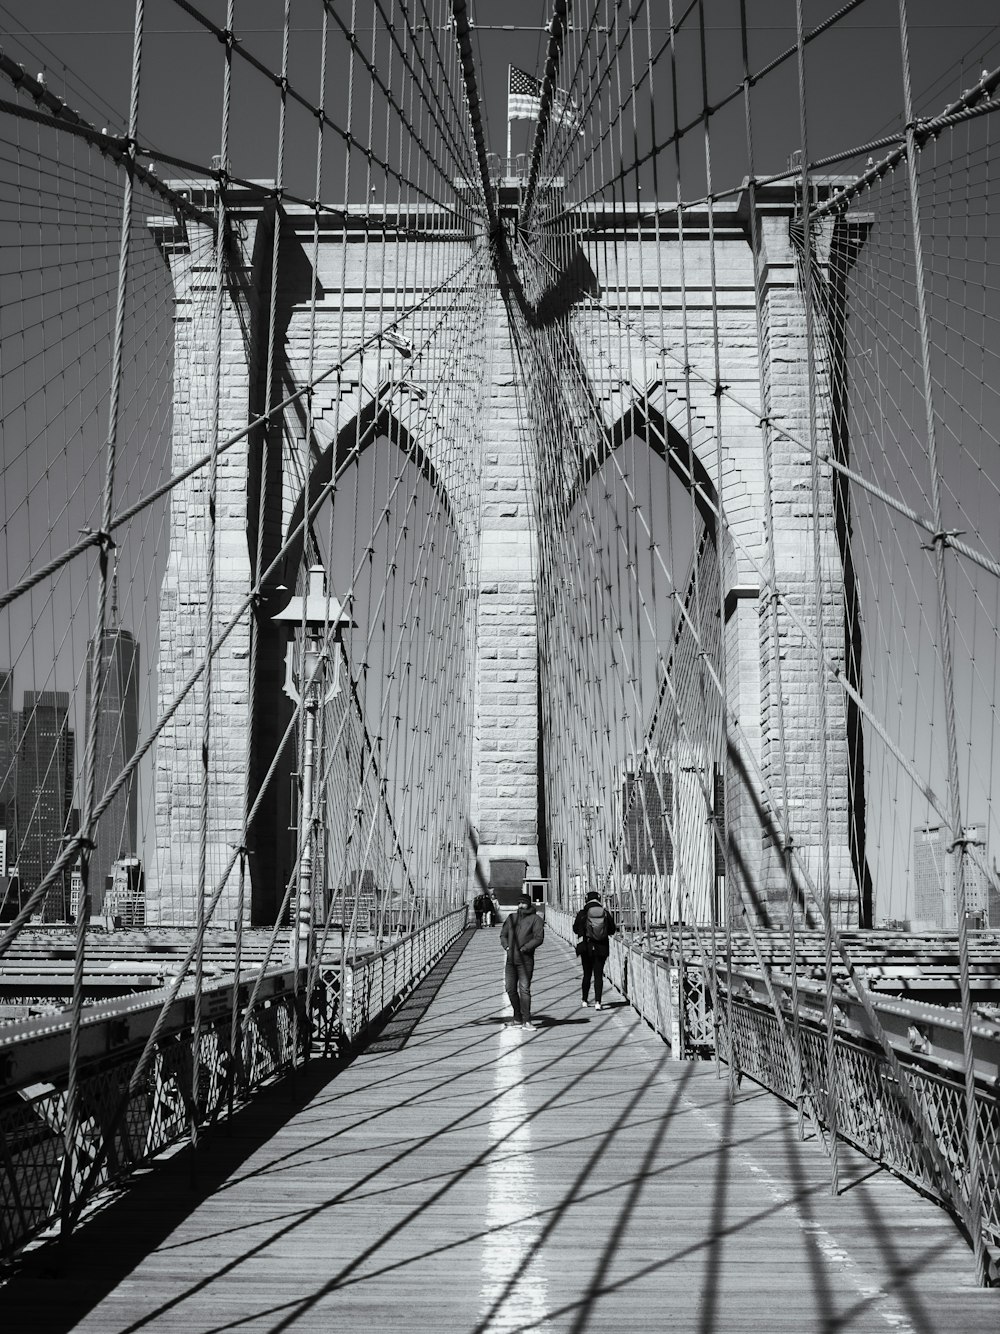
(460, 1176)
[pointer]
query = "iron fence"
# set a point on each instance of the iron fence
(128, 1112)
(135, 1103)
(920, 1137)
(372, 985)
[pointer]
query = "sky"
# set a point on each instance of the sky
(854, 96)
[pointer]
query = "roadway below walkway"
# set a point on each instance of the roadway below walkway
(461, 1176)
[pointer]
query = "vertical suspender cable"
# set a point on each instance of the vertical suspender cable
(720, 522)
(691, 476)
(236, 1039)
(775, 655)
(213, 473)
(97, 644)
(824, 815)
(940, 542)
(303, 916)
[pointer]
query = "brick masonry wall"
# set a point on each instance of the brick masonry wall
(787, 405)
(505, 754)
(172, 882)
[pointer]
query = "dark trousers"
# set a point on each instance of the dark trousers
(517, 980)
(593, 967)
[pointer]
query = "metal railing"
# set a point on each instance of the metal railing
(125, 1120)
(920, 1137)
(374, 984)
(918, 1133)
(129, 1115)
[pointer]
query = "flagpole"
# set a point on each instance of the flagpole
(506, 165)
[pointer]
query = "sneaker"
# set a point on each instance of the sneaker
(528, 1024)
(586, 1005)
(598, 1005)
(513, 1023)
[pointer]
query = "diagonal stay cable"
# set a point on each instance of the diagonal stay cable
(94, 539)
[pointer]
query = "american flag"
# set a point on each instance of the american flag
(524, 102)
(524, 95)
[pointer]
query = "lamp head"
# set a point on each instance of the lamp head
(316, 610)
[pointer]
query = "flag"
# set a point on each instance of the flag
(524, 102)
(524, 95)
(566, 114)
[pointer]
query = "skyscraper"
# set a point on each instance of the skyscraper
(7, 751)
(117, 736)
(647, 802)
(45, 757)
(935, 899)
(933, 878)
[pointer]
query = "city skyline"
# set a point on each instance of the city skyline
(40, 783)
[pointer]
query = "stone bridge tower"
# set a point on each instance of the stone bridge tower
(757, 273)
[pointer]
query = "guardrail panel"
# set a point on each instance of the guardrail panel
(372, 985)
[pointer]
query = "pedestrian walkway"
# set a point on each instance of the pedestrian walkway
(462, 1176)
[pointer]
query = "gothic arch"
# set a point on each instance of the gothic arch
(375, 421)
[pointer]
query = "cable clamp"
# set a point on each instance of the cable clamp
(104, 539)
(942, 538)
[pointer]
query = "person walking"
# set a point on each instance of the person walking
(595, 925)
(520, 935)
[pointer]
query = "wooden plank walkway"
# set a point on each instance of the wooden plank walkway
(460, 1176)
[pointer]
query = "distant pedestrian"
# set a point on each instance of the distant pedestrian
(494, 910)
(520, 935)
(481, 906)
(595, 925)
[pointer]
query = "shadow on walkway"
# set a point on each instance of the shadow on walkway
(140, 1216)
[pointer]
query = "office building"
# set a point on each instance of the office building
(8, 748)
(115, 838)
(44, 788)
(935, 898)
(646, 803)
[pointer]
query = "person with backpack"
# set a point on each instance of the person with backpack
(595, 926)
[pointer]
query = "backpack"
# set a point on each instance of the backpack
(595, 925)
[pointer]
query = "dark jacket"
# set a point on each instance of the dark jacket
(523, 930)
(601, 948)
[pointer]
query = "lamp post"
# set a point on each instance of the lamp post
(323, 617)
(589, 813)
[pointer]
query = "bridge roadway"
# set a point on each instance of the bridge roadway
(461, 1176)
